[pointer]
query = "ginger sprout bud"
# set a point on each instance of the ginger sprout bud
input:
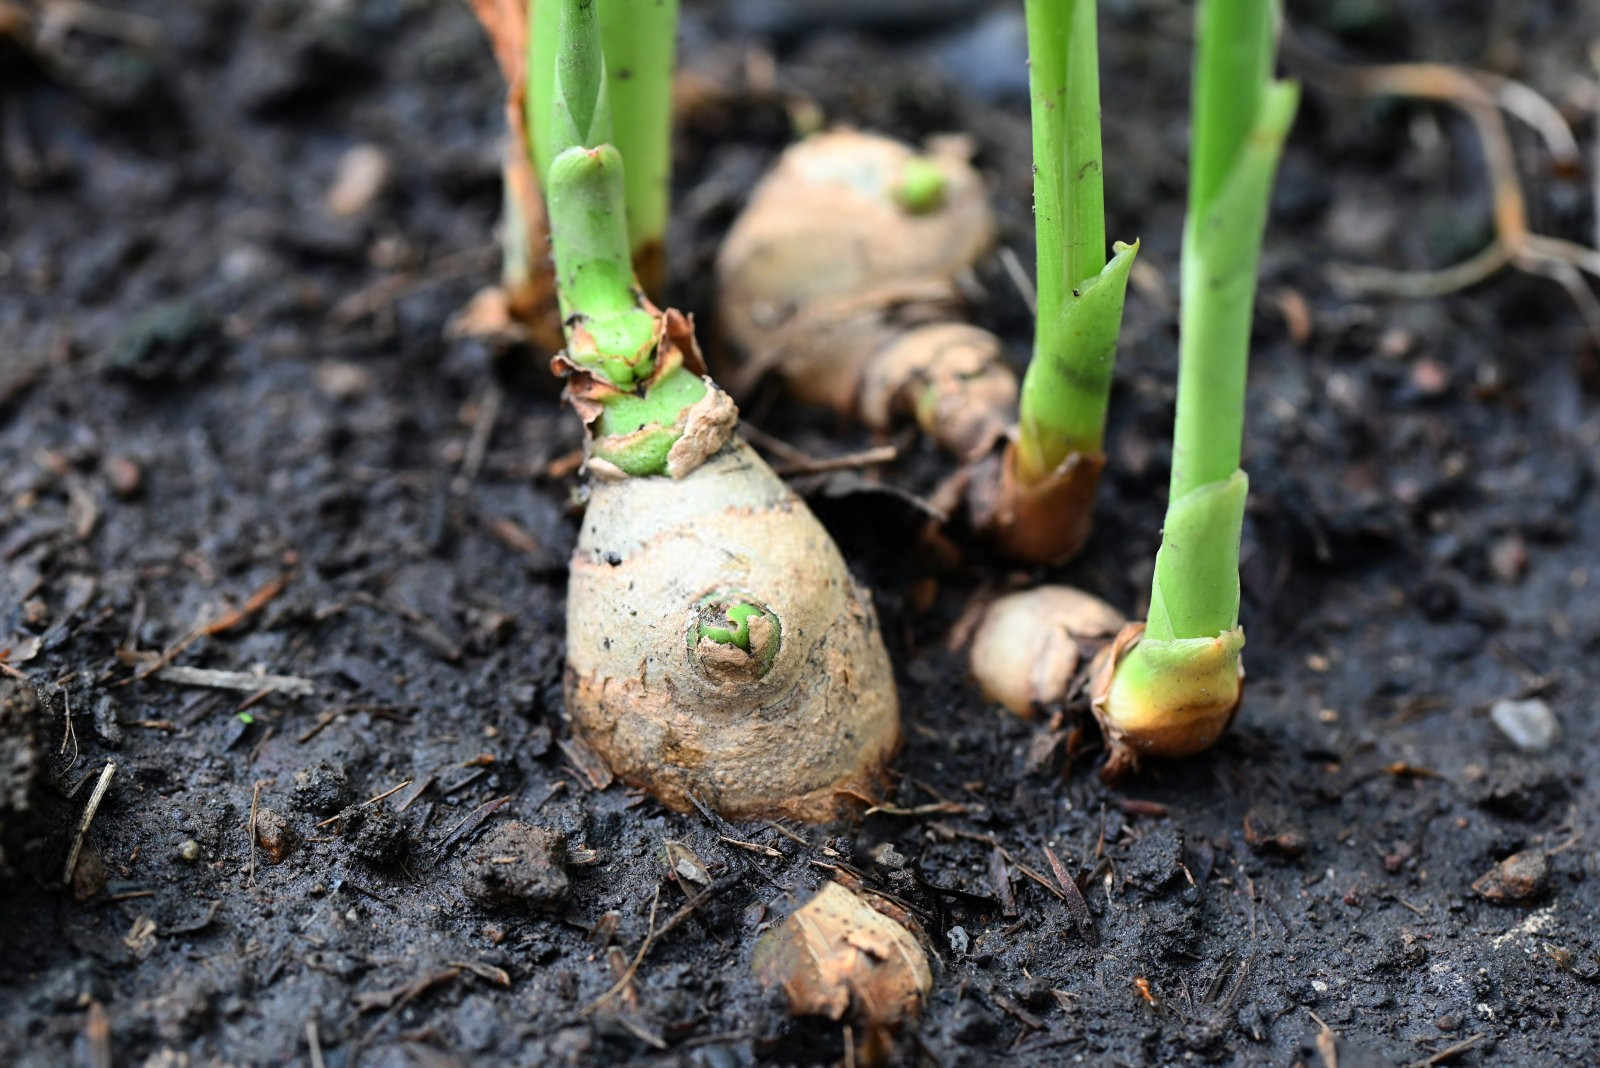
(734, 637)
(921, 186)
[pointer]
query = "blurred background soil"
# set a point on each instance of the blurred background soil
(235, 437)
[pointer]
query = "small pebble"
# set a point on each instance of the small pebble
(362, 174)
(887, 856)
(1519, 877)
(124, 475)
(1508, 558)
(1395, 342)
(189, 850)
(341, 379)
(958, 939)
(1530, 725)
(1429, 377)
(275, 836)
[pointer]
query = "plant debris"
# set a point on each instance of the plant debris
(836, 954)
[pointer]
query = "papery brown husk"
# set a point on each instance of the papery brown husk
(1046, 522)
(1028, 646)
(835, 955)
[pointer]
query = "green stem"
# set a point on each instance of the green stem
(581, 104)
(610, 332)
(1083, 167)
(640, 38)
(630, 46)
(1195, 593)
(644, 392)
(1068, 383)
(1232, 164)
(1232, 71)
(594, 271)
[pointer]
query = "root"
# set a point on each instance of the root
(1482, 95)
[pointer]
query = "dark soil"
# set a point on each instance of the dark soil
(210, 386)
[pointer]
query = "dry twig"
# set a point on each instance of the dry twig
(97, 1033)
(644, 947)
(255, 807)
(89, 810)
(244, 681)
(656, 934)
(1450, 1051)
(314, 1043)
(1327, 1043)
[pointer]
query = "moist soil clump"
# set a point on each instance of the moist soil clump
(293, 559)
(519, 865)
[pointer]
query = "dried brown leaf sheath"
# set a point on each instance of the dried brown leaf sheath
(805, 734)
(506, 23)
(1045, 522)
(828, 280)
(836, 954)
(530, 299)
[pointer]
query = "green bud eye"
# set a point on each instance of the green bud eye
(921, 186)
(733, 635)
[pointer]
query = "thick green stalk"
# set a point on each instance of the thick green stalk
(571, 99)
(1232, 163)
(1195, 592)
(1068, 382)
(640, 38)
(594, 272)
(630, 45)
(643, 391)
(611, 333)
(1231, 73)
(539, 85)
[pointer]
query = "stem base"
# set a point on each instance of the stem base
(1043, 522)
(1164, 698)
